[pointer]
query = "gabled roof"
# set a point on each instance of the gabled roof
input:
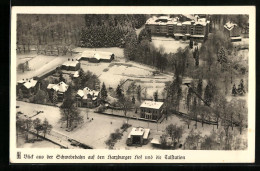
(151, 104)
(229, 25)
(87, 91)
(70, 63)
(96, 54)
(28, 83)
(76, 74)
(139, 131)
(60, 87)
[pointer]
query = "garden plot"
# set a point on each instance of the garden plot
(170, 44)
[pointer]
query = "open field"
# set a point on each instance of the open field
(40, 64)
(169, 44)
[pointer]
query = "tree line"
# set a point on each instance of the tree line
(27, 125)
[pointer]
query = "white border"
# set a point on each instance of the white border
(247, 156)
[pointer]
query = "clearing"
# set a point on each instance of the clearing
(39, 64)
(169, 44)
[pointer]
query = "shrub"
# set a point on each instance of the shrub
(101, 108)
(125, 126)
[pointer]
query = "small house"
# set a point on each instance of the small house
(60, 88)
(138, 136)
(88, 98)
(28, 86)
(151, 110)
(76, 74)
(71, 65)
(96, 56)
(232, 30)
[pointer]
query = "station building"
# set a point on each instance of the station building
(151, 110)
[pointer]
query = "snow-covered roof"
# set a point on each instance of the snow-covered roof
(76, 74)
(229, 25)
(96, 54)
(164, 18)
(21, 81)
(156, 139)
(28, 83)
(197, 35)
(60, 87)
(146, 133)
(178, 34)
(186, 23)
(139, 131)
(70, 63)
(151, 104)
(158, 21)
(87, 91)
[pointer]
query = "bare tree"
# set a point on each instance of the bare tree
(46, 127)
(37, 126)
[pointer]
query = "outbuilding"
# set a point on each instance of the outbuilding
(138, 136)
(71, 65)
(96, 56)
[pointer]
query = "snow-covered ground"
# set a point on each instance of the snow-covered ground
(119, 52)
(39, 64)
(37, 144)
(95, 132)
(170, 44)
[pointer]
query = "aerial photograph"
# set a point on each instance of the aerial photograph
(132, 81)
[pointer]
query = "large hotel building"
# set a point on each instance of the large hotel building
(196, 28)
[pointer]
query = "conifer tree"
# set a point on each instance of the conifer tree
(208, 94)
(55, 97)
(133, 99)
(234, 90)
(138, 93)
(61, 78)
(20, 94)
(103, 92)
(119, 92)
(197, 57)
(199, 89)
(155, 95)
(189, 95)
(191, 44)
(241, 86)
